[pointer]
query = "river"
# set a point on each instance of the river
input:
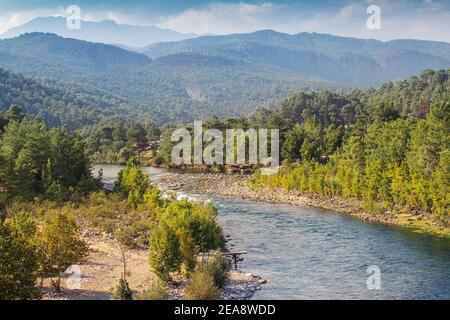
(307, 253)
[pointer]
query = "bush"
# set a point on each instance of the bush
(60, 245)
(219, 269)
(123, 291)
(157, 291)
(202, 285)
(18, 264)
(132, 183)
(135, 227)
(165, 255)
(198, 221)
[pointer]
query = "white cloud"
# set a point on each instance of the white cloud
(397, 22)
(427, 19)
(11, 20)
(222, 18)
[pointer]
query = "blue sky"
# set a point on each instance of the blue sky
(417, 19)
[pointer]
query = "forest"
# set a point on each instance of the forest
(48, 196)
(387, 147)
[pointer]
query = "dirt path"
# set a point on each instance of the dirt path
(101, 271)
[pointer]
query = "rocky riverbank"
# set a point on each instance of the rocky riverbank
(237, 186)
(241, 286)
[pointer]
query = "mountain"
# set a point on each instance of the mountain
(342, 60)
(62, 104)
(171, 88)
(226, 76)
(50, 49)
(105, 31)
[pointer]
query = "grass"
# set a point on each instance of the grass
(424, 226)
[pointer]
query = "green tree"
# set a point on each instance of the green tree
(165, 253)
(293, 142)
(123, 291)
(19, 263)
(61, 245)
(14, 113)
(132, 183)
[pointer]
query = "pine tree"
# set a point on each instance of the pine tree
(123, 291)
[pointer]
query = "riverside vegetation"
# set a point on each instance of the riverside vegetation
(49, 196)
(386, 148)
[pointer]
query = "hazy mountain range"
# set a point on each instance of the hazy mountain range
(345, 61)
(105, 31)
(220, 75)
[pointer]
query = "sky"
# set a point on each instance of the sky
(399, 19)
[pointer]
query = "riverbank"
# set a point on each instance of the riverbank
(237, 186)
(103, 267)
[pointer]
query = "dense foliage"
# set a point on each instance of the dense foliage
(387, 147)
(37, 161)
(60, 104)
(117, 142)
(180, 229)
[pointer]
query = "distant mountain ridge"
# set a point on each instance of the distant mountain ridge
(343, 60)
(70, 53)
(226, 76)
(104, 31)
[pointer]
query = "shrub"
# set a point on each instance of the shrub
(135, 228)
(157, 291)
(197, 221)
(219, 269)
(165, 255)
(202, 285)
(60, 245)
(132, 183)
(18, 265)
(123, 291)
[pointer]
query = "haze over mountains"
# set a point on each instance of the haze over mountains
(219, 75)
(344, 61)
(104, 31)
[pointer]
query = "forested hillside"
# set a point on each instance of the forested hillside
(343, 61)
(226, 76)
(388, 148)
(61, 104)
(69, 53)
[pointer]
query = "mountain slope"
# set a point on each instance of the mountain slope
(59, 104)
(171, 88)
(226, 76)
(104, 31)
(345, 61)
(51, 49)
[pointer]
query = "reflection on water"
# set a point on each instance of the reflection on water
(307, 253)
